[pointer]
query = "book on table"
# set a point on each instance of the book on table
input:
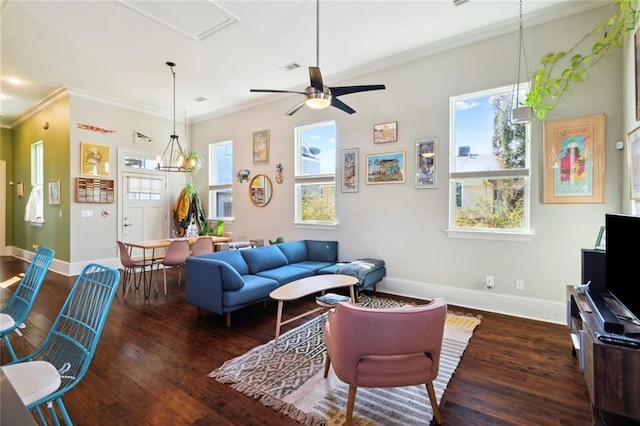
(332, 298)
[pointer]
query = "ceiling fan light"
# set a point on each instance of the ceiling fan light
(318, 100)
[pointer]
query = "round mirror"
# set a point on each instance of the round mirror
(260, 190)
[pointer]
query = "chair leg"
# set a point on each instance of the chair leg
(350, 403)
(434, 403)
(327, 364)
(165, 280)
(228, 317)
(5, 338)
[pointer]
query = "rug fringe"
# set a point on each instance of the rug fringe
(308, 419)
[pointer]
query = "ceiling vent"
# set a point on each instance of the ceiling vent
(292, 66)
(459, 2)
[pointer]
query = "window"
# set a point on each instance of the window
(221, 180)
(34, 212)
(315, 151)
(489, 178)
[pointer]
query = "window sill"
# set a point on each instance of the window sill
(315, 225)
(522, 237)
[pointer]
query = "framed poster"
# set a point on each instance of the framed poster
(261, 147)
(574, 160)
(426, 157)
(633, 147)
(601, 241)
(54, 192)
(350, 170)
(385, 132)
(385, 168)
(94, 159)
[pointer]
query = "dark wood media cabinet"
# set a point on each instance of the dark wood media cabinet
(612, 373)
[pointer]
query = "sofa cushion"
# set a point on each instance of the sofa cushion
(313, 266)
(296, 251)
(231, 279)
(254, 290)
(322, 251)
(263, 258)
(286, 274)
(232, 257)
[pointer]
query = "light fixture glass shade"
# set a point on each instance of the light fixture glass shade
(318, 100)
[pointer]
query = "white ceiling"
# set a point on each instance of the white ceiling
(115, 51)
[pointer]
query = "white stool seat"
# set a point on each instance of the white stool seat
(6, 322)
(33, 380)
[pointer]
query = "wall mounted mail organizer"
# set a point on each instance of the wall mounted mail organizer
(89, 190)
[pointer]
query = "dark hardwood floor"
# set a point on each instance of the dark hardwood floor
(152, 362)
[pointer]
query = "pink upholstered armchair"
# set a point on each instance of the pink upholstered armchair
(385, 347)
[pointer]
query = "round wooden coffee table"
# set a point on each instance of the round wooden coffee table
(304, 287)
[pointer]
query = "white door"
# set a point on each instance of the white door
(145, 207)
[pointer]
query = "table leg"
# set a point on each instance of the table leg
(278, 322)
(351, 292)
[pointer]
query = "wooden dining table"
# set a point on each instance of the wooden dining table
(153, 252)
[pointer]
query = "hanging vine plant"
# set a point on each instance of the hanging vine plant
(549, 85)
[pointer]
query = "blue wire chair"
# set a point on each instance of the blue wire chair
(13, 315)
(46, 375)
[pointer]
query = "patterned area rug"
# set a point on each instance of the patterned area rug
(290, 379)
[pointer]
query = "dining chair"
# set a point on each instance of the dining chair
(131, 267)
(385, 347)
(175, 257)
(202, 245)
(13, 315)
(58, 365)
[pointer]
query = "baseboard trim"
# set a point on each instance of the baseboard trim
(523, 307)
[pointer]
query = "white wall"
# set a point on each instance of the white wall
(405, 226)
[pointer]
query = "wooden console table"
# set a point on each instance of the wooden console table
(612, 373)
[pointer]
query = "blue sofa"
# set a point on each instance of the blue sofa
(225, 281)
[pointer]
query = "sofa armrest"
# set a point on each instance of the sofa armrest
(206, 280)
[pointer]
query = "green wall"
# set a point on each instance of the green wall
(51, 126)
(6, 153)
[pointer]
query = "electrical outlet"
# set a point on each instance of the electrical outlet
(519, 285)
(488, 281)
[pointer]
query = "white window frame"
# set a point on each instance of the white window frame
(215, 188)
(305, 179)
(523, 234)
(34, 210)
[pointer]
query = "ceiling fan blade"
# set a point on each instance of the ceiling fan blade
(275, 91)
(345, 90)
(342, 106)
(316, 78)
(295, 108)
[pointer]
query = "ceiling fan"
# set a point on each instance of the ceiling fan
(317, 95)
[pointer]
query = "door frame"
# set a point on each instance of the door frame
(141, 172)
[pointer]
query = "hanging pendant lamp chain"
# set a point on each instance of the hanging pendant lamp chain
(521, 53)
(171, 65)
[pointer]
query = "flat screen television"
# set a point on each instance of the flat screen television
(622, 272)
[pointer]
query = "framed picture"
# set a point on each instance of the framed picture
(350, 170)
(385, 132)
(54, 192)
(574, 160)
(636, 43)
(601, 241)
(261, 147)
(426, 157)
(633, 147)
(385, 168)
(94, 159)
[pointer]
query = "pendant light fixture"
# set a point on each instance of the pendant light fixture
(174, 158)
(520, 114)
